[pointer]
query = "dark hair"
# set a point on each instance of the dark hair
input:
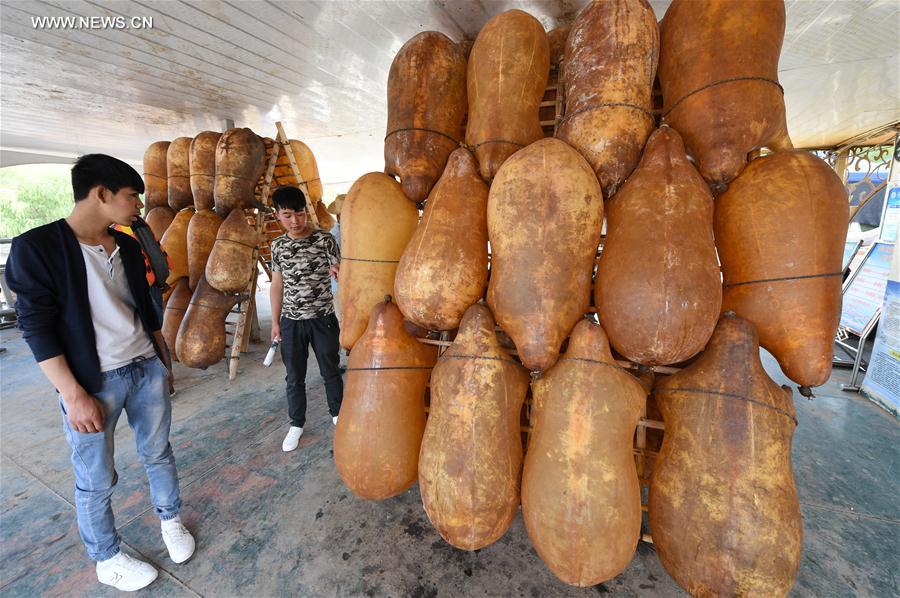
(289, 198)
(92, 170)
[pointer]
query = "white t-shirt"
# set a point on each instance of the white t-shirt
(120, 336)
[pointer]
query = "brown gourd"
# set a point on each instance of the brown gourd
(156, 177)
(159, 219)
(581, 500)
(471, 458)
(201, 337)
(556, 40)
(379, 432)
(445, 265)
(718, 69)
(176, 306)
(723, 503)
(174, 243)
(610, 63)
(506, 78)
(545, 211)
(203, 169)
(269, 147)
(179, 173)
(230, 265)
(780, 231)
(325, 218)
(426, 111)
(658, 290)
(309, 179)
(201, 236)
(240, 159)
(377, 222)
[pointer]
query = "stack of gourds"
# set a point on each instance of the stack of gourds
(199, 217)
(676, 192)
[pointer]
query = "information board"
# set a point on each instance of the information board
(891, 216)
(882, 382)
(864, 291)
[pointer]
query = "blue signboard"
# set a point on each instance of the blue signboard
(891, 217)
(864, 292)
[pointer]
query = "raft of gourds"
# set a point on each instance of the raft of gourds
(197, 190)
(708, 255)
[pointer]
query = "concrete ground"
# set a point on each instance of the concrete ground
(270, 523)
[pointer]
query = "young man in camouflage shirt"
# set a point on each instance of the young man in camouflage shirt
(303, 262)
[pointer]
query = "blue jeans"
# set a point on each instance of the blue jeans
(141, 389)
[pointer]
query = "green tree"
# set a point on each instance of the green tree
(33, 194)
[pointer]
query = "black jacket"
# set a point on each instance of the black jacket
(46, 270)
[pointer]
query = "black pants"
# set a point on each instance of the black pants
(296, 337)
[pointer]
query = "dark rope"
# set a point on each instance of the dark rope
(236, 242)
(595, 361)
(723, 81)
(472, 148)
(396, 367)
(353, 259)
(607, 105)
(730, 395)
(783, 279)
(442, 134)
(480, 357)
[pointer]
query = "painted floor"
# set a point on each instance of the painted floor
(270, 523)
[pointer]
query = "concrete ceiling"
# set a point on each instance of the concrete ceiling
(321, 68)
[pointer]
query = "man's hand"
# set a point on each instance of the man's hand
(276, 331)
(85, 412)
(335, 270)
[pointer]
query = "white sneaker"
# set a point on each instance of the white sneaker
(178, 540)
(125, 573)
(292, 439)
(334, 420)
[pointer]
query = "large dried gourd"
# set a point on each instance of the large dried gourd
(377, 222)
(659, 301)
(309, 179)
(156, 177)
(203, 169)
(231, 265)
(507, 75)
(379, 433)
(159, 219)
(718, 68)
(176, 306)
(556, 39)
(201, 236)
(545, 211)
(610, 63)
(581, 500)
(426, 111)
(240, 159)
(445, 266)
(178, 171)
(325, 219)
(269, 147)
(174, 243)
(201, 337)
(471, 457)
(780, 230)
(723, 503)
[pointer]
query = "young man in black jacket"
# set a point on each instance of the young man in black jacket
(85, 311)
